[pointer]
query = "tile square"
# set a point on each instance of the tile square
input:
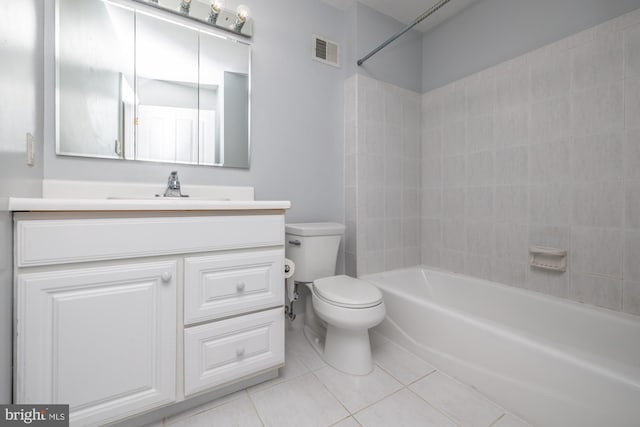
(403, 409)
(597, 251)
(403, 365)
(632, 51)
(462, 403)
(631, 256)
(598, 157)
(599, 61)
(632, 205)
(602, 108)
(297, 346)
(598, 204)
(177, 419)
(596, 290)
(478, 266)
(632, 103)
(237, 413)
(549, 282)
(632, 154)
(292, 368)
(550, 119)
(631, 297)
(358, 391)
(303, 401)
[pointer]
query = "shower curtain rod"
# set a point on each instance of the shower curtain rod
(418, 20)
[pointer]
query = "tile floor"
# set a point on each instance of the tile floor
(402, 390)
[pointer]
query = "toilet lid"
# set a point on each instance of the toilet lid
(348, 292)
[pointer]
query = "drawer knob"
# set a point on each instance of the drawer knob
(240, 286)
(166, 277)
(240, 351)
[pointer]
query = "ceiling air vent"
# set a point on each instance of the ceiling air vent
(326, 51)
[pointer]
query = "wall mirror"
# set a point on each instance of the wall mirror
(135, 85)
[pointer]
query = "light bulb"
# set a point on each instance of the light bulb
(242, 12)
(216, 6)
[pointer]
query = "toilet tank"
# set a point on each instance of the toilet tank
(313, 247)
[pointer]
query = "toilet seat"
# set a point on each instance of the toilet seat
(347, 292)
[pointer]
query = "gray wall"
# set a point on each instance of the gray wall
(492, 31)
(297, 118)
(399, 64)
(20, 112)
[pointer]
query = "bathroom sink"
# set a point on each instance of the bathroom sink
(160, 198)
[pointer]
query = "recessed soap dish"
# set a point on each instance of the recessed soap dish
(548, 258)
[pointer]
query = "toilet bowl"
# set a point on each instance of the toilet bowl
(339, 309)
(350, 307)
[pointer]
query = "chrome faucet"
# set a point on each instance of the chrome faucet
(173, 186)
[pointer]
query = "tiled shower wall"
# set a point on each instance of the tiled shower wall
(541, 150)
(382, 176)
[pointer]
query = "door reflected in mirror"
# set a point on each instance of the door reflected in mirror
(167, 91)
(224, 98)
(136, 86)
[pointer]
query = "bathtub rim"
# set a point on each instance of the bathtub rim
(512, 289)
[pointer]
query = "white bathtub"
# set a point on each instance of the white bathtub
(550, 361)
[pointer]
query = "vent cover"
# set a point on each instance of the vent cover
(326, 51)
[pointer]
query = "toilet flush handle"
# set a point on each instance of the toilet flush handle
(295, 242)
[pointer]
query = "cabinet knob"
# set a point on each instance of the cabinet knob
(166, 277)
(240, 351)
(240, 286)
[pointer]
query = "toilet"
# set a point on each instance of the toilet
(341, 309)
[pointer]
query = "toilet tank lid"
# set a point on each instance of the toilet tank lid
(315, 229)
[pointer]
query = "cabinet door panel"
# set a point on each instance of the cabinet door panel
(102, 340)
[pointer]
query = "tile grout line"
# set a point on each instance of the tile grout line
(255, 408)
(330, 393)
(498, 420)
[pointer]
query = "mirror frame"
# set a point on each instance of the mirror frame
(144, 6)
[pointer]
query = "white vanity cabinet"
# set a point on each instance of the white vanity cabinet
(118, 313)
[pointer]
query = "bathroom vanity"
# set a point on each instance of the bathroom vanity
(126, 306)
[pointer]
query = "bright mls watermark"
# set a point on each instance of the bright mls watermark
(36, 415)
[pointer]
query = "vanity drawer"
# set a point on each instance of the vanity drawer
(229, 350)
(61, 241)
(223, 285)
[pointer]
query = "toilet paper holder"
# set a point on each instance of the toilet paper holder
(291, 287)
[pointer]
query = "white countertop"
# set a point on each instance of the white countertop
(132, 204)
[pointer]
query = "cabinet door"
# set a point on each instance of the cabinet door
(102, 340)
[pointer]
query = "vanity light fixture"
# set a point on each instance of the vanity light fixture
(216, 8)
(242, 13)
(210, 12)
(185, 5)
